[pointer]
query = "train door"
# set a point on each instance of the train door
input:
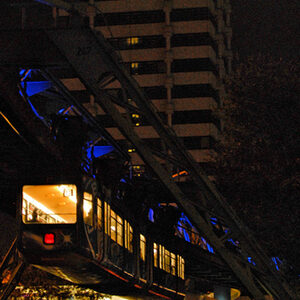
(99, 227)
(128, 248)
(90, 217)
(142, 258)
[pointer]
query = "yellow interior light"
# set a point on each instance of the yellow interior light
(87, 206)
(132, 40)
(134, 65)
(68, 192)
(40, 206)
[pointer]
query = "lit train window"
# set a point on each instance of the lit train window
(116, 228)
(155, 255)
(128, 237)
(173, 264)
(142, 247)
(106, 217)
(167, 264)
(88, 208)
(99, 213)
(113, 226)
(49, 203)
(161, 256)
(180, 266)
(119, 230)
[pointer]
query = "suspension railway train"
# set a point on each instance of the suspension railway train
(84, 233)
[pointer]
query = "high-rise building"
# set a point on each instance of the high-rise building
(179, 51)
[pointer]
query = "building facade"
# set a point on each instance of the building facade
(179, 51)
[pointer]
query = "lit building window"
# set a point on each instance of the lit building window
(134, 66)
(143, 247)
(132, 40)
(136, 119)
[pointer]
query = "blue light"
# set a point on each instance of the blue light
(209, 248)
(232, 241)
(276, 260)
(34, 110)
(185, 219)
(151, 215)
(22, 72)
(98, 151)
(213, 221)
(35, 87)
(251, 261)
(186, 236)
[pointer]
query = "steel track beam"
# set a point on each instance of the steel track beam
(88, 58)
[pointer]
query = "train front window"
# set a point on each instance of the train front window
(49, 204)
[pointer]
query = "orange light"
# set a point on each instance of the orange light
(49, 238)
(180, 173)
(113, 273)
(157, 294)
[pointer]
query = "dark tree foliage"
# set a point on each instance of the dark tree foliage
(257, 164)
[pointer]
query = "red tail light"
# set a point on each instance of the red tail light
(49, 238)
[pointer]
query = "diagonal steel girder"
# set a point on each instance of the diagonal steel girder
(274, 282)
(87, 57)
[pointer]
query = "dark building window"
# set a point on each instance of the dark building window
(193, 65)
(192, 14)
(156, 92)
(195, 90)
(193, 39)
(160, 92)
(82, 96)
(139, 17)
(192, 116)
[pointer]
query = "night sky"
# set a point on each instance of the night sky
(266, 26)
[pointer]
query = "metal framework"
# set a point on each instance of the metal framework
(95, 62)
(11, 270)
(92, 58)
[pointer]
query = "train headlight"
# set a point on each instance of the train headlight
(49, 238)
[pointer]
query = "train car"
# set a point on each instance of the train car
(84, 233)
